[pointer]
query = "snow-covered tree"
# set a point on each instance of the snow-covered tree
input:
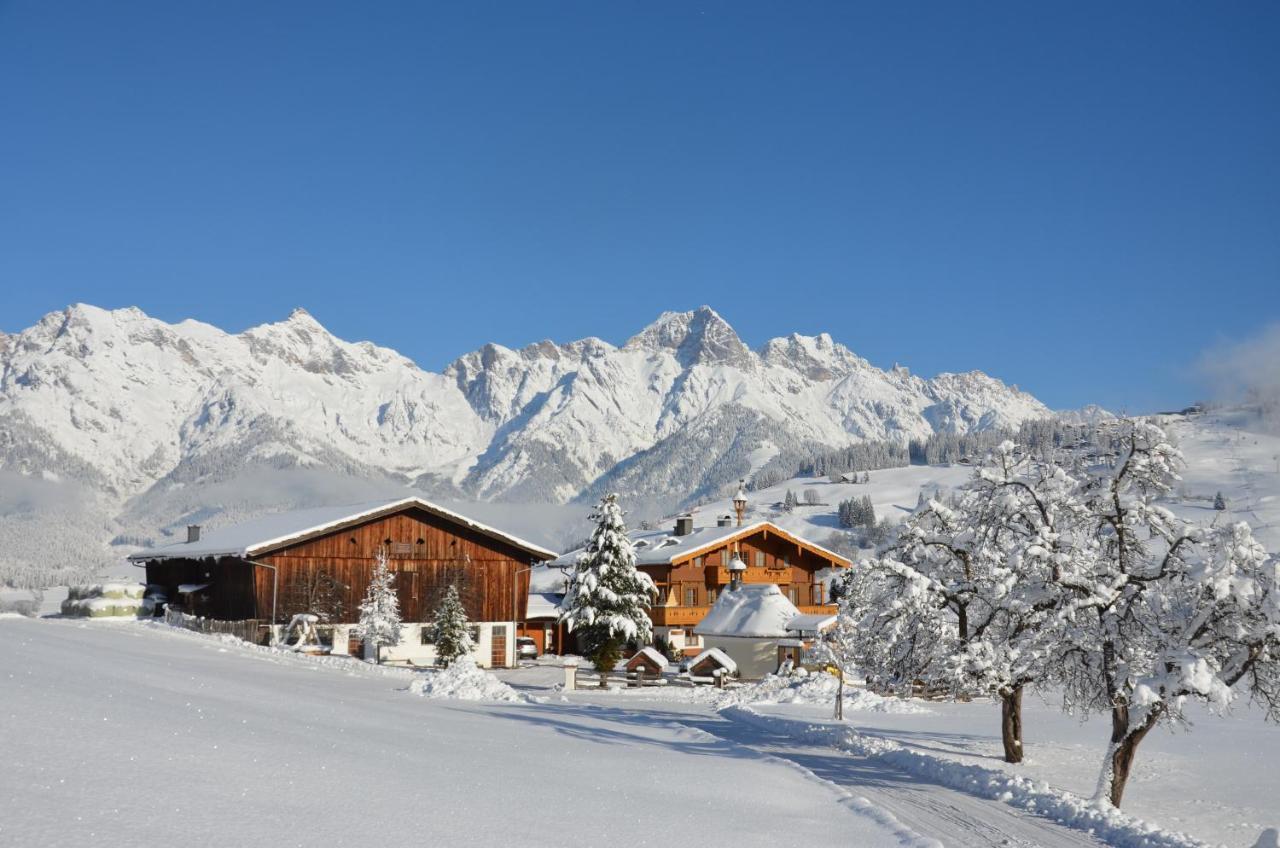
(379, 622)
(608, 598)
(789, 502)
(1156, 611)
(957, 603)
(450, 630)
(1219, 502)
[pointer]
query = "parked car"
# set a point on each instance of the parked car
(526, 648)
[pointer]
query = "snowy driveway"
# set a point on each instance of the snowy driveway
(121, 733)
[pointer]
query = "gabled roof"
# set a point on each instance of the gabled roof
(722, 659)
(265, 534)
(662, 547)
(751, 611)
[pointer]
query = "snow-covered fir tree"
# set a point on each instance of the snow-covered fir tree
(1219, 502)
(608, 598)
(379, 623)
(450, 630)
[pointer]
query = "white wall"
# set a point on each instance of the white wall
(411, 647)
(755, 657)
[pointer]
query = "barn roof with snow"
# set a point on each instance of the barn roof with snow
(263, 535)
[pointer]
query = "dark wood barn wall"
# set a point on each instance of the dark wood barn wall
(427, 554)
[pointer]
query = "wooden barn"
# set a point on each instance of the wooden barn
(691, 569)
(320, 561)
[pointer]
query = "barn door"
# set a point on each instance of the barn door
(498, 640)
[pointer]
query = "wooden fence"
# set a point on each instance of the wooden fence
(250, 630)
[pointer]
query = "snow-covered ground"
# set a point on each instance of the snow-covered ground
(110, 727)
(114, 733)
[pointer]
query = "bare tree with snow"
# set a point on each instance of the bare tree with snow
(958, 602)
(1156, 611)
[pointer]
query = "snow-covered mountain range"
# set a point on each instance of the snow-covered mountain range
(149, 418)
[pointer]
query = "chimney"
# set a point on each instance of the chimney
(193, 533)
(724, 521)
(684, 525)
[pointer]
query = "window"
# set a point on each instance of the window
(786, 560)
(759, 559)
(426, 635)
(817, 593)
(691, 596)
(723, 557)
(711, 596)
(697, 562)
(793, 594)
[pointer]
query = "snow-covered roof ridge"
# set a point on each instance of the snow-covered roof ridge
(752, 610)
(662, 547)
(726, 662)
(258, 536)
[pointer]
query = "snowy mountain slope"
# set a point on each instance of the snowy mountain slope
(1228, 451)
(137, 410)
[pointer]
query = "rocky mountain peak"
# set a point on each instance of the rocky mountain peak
(700, 337)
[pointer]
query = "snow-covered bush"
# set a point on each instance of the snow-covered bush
(463, 680)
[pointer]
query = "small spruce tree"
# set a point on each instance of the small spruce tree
(608, 599)
(380, 610)
(451, 631)
(1219, 502)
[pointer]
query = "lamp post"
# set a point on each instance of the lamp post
(740, 501)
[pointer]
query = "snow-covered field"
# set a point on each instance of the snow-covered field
(124, 732)
(114, 729)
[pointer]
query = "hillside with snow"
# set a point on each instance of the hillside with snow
(117, 426)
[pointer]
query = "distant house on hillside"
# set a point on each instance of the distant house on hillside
(320, 561)
(689, 566)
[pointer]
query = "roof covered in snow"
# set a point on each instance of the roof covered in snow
(753, 610)
(256, 537)
(663, 547)
(805, 623)
(726, 662)
(543, 605)
(650, 653)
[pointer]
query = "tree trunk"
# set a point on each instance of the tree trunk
(604, 680)
(1125, 739)
(1011, 723)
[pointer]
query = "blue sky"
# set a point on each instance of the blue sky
(1077, 198)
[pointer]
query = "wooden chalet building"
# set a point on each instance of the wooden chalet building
(321, 560)
(690, 569)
